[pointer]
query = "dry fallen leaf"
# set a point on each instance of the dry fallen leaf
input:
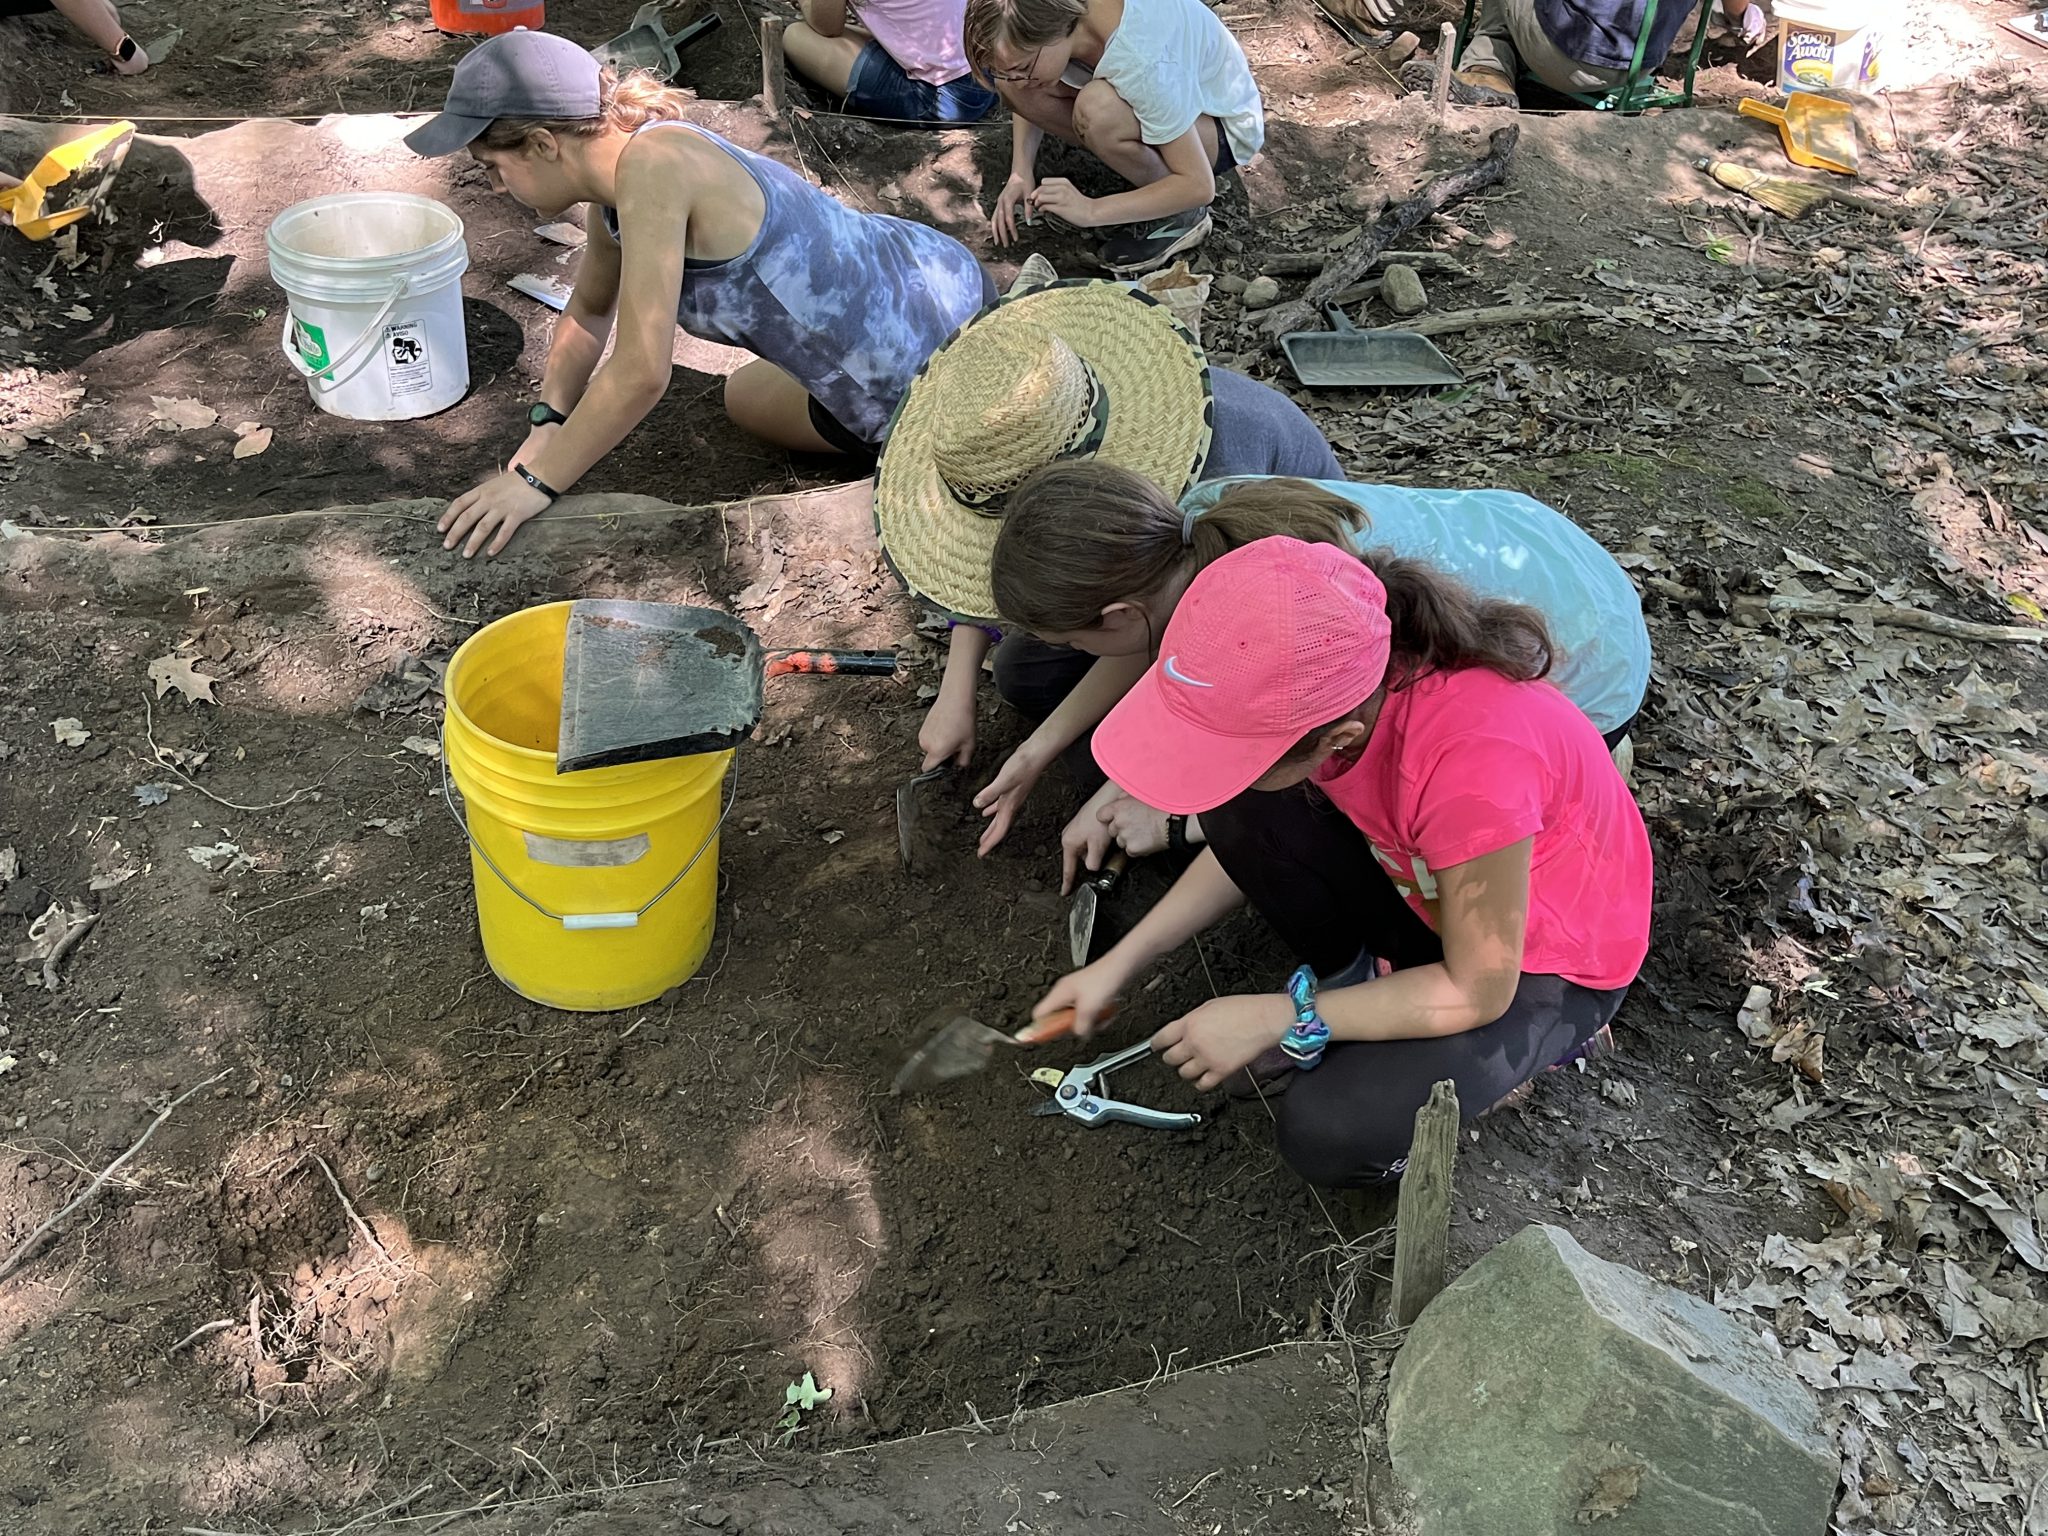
(169, 672)
(78, 312)
(426, 746)
(70, 732)
(252, 442)
(182, 414)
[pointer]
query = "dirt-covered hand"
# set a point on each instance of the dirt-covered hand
(1138, 828)
(1003, 796)
(947, 735)
(1223, 1036)
(493, 511)
(1015, 196)
(1090, 992)
(1086, 841)
(1063, 200)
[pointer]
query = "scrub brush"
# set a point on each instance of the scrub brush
(1780, 194)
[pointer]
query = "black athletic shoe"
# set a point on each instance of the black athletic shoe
(1149, 247)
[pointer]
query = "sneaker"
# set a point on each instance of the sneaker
(1150, 247)
(1596, 1045)
(1469, 87)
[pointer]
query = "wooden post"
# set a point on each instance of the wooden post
(1440, 88)
(772, 65)
(1422, 1222)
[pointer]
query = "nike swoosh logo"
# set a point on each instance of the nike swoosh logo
(1173, 671)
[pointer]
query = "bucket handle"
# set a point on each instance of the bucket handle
(577, 921)
(312, 375)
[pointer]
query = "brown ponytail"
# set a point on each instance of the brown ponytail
(1078, 537)
(625, 102)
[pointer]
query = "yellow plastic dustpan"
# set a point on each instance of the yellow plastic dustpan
(1817, 131)
(68, 183)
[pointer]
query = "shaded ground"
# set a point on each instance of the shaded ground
(599, 1248)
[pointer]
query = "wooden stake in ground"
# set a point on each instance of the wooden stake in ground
(772, 64)
(1347, 266)
(1422, 1225)
(1440, 87)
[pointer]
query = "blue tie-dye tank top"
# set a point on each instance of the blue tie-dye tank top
(848, 304)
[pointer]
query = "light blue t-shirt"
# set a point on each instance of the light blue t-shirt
(1503, 544)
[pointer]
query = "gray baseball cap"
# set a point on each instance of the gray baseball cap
(515, 74)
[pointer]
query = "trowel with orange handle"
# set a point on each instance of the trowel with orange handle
(962, 1046)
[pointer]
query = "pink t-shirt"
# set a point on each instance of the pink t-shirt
(1466, 763)
(921, 35)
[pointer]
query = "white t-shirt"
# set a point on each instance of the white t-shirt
(1173, 61)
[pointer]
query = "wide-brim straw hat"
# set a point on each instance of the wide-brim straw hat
(1074, 370)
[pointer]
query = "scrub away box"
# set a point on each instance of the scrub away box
(373, 322)
(1828, 45)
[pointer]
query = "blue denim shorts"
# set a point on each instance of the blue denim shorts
(879, 88)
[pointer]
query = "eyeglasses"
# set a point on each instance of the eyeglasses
(1021, 73)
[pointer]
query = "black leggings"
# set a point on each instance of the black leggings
(1308, 870)
(1033, 676)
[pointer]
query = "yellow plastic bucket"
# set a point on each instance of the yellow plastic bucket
(594, 890)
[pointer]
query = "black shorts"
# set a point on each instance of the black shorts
(828, 426)
(25, 7)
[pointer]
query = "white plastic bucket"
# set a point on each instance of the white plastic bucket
(374, 323)
(1828, 45)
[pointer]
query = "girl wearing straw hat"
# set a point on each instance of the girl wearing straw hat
(1091, 560)
(841, 307)
(1074, 371)
(1386, 778)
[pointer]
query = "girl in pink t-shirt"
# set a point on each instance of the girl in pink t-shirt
(1389, 789)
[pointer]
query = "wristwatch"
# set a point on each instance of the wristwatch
(541, 414)
(1176, 834)
(1308, 1034)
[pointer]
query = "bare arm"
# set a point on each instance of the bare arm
(655, 201)
(1483, 907)
(827, 18)
(586, 324)
(1189, 182)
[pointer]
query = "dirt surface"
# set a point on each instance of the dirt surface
(460, 1243)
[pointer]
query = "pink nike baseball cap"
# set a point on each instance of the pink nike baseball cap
(1269, 642)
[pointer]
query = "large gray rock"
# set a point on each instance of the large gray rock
(1546, 1391)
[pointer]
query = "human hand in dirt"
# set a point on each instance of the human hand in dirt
(1087, 839)
(1090, 992)
(1137, 828)
(1003, 796)
(1010, 202)
(493, 511)
(1063, 200)
(947, 735)
(1224, 1036)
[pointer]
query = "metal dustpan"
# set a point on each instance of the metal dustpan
(651, 680)
(1348, 358)
(647, 45)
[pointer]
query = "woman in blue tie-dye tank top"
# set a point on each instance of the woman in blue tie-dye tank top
(841, 308)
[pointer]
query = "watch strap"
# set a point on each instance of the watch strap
(536, 482)
(1176, 834)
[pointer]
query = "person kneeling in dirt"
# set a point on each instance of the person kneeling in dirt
(1085, 370)
(900, 62)
(1438, 834)
(841, 307)
(98, 20)
(1158, 90)
(1092, 562)
(1582, 46)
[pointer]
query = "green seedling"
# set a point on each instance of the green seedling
(798, 1399)
(1720, 249)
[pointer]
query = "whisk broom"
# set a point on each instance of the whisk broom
(1780, 194)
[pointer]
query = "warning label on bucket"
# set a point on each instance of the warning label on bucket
(408, 370)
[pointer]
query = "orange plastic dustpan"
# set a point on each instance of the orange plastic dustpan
(1817, 131)
(68, 183)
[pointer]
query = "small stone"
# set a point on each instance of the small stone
(1753, 374)
(1370, 201)
(1403, 291)
(1230, 283)
(1260, 292)
(1547, 1390)
(1400, 50)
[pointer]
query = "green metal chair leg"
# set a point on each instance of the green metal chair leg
(1464, 34)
